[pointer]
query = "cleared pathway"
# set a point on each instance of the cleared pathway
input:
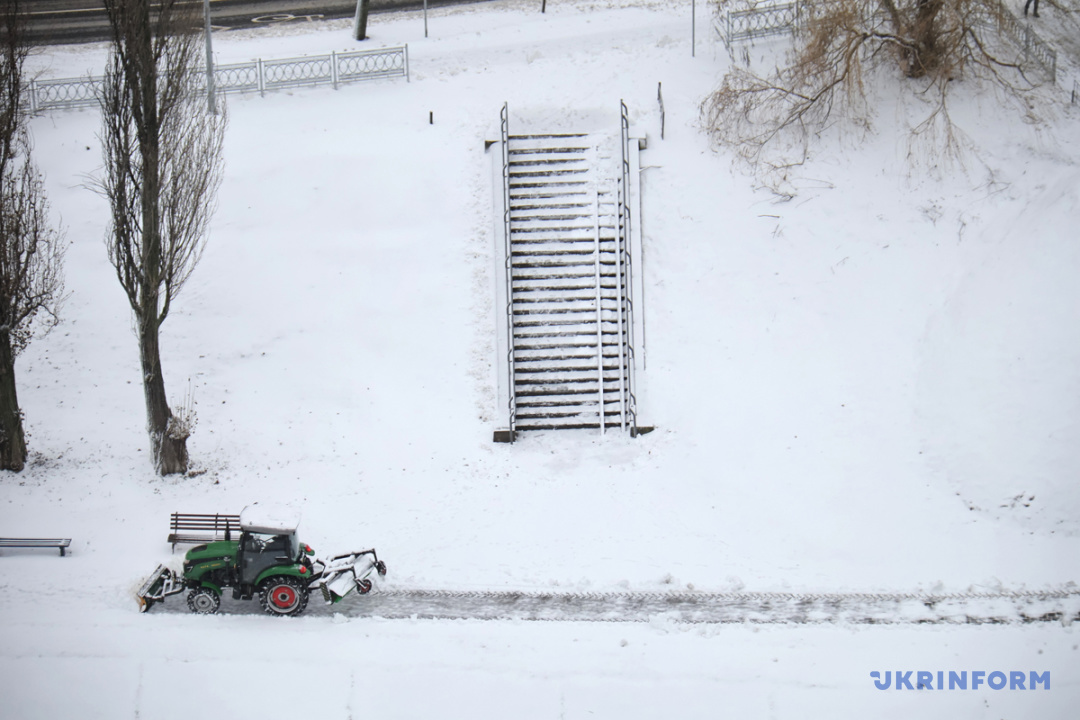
(1004, 608)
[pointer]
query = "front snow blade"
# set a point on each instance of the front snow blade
(161, 583)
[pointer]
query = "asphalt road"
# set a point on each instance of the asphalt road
(54, 22)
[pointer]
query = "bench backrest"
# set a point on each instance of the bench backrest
(211, 523)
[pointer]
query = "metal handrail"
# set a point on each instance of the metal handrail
(620, 305)
(504, 130)
(625, 270)
(602, 418)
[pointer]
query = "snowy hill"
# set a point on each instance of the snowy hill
(870, 387)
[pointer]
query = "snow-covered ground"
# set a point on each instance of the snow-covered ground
(873, 386)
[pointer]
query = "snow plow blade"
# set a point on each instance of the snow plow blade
(161, 583)
(345, 573)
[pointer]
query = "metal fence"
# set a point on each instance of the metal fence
(1035, 49)
(259, 75)
(757, 22)
(769, 19)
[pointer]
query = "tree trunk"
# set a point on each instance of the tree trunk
(169, 451)
(168, 448)
(925, 58)
(12, 439)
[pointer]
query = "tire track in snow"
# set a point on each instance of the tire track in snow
(1004, 608)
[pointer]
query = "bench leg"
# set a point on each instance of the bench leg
(61, 552)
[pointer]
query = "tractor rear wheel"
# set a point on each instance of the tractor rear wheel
(283, 595)
(203, 601)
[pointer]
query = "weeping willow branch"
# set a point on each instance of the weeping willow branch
(923, 47)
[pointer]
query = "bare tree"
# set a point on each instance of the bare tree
(163, 167)
(31, 254)
(841, 49)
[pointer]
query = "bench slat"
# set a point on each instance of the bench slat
(216, 525)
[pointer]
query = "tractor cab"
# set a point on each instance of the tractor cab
(267, 540)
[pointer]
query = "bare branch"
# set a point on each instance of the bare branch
(31, 249)
(770, 120)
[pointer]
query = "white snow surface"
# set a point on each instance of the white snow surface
(259, 518)
(873, 386)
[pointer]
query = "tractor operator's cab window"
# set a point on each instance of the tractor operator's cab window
(268, 544)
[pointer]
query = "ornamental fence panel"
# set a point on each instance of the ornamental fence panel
(257, 75)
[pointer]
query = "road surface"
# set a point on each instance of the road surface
(54, 22)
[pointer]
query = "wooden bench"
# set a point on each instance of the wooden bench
(195, 528)
(59, 543)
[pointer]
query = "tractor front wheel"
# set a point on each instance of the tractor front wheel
(203, 601)
(283, 595)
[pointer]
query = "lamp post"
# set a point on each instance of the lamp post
(693, 28)
(211, 103)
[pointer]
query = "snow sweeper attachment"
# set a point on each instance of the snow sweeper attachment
(267, 562)
(341, 575)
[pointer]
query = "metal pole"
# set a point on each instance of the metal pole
(211, 103)
(425, 18)
(693, 28)
(360, 20)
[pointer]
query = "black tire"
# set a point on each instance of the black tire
(283, 595)
(203, 601)
(363, 586)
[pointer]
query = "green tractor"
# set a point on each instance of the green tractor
(267, 561)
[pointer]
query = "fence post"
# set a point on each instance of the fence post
(407, 78)
(33, 96)
(660, 100)
(333, 69)
(262, 80)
